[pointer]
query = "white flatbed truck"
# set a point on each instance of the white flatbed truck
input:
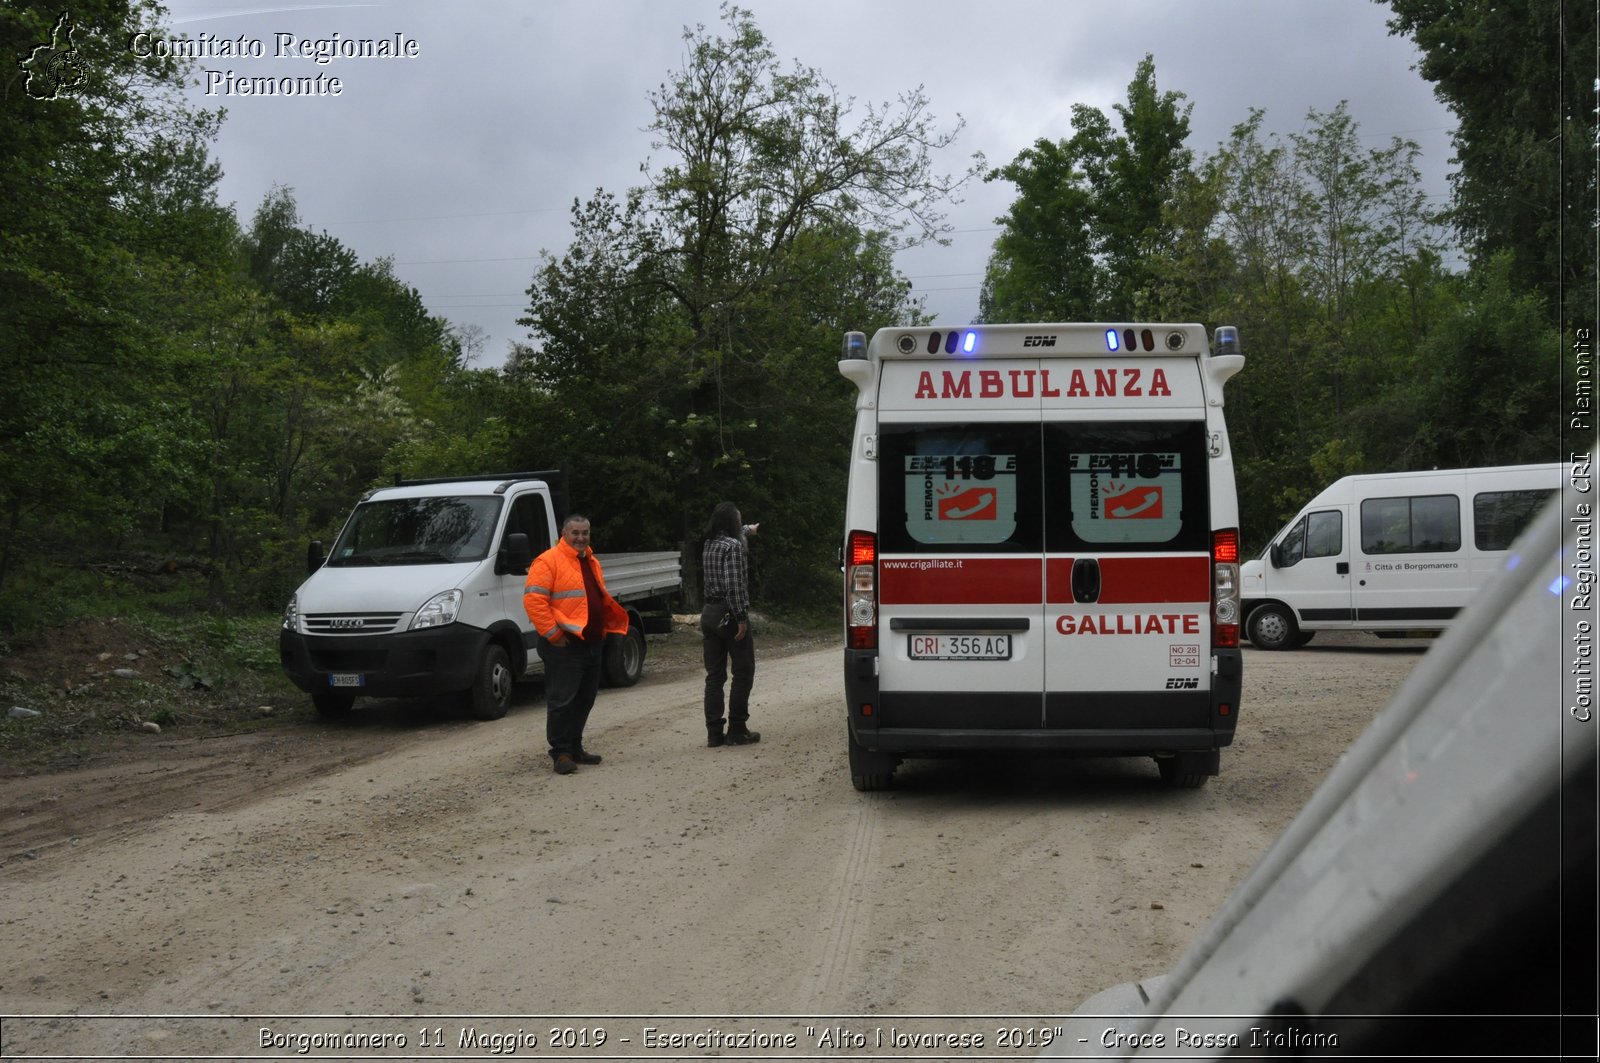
(421, 595)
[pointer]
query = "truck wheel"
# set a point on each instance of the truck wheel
(490, 696)
(869, 771)
(624, 657)
(1184, 771)
(333, 703)
(1273, 627)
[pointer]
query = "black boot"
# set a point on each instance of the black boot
(740, 735)
(714, 736)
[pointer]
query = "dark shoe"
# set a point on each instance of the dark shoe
(742, 737)
(583, 756)
(714, 738)
(565, 765)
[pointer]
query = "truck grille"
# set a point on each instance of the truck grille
(350, 623)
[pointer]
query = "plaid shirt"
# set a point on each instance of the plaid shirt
(724, 567)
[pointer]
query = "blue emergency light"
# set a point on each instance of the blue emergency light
(1113, 341)
(969, 342)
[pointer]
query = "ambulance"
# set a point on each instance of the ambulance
(1041, 545)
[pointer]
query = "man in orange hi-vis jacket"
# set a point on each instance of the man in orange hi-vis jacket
(566, 599)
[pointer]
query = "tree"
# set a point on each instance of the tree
(688, 334)
(109, 209)
(1081, 240)
(1519, 76)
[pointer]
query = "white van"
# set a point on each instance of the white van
(1389, 553)
(1041, 545)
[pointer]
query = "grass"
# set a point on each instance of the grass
(96, 658)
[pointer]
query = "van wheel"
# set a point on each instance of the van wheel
(624, 657)
(1273, 627)
(1184, 771)
(490, 696)
(333, 703)
(870, 771)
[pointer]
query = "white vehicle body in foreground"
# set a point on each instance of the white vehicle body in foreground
(421, 595)
(1437, 893)
(1389, 552)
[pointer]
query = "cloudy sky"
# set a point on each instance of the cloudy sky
(460, 161)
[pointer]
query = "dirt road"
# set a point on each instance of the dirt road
(452, 875)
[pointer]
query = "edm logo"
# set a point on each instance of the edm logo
(1183, 684)
(1038, 341)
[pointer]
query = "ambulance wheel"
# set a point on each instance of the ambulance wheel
(490, 695)
(624, 657)
(333, 703)
(870, 771)
(1185, 771)
(1273, 627)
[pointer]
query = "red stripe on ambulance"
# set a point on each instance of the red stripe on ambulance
(969, 580)
(1136, 580)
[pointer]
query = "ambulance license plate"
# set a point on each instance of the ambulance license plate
(960, 647)
(346, 679)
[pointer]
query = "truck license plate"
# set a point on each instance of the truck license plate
(960, 647)
(346, 679)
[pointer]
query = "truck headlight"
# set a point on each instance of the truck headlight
(291, 614)
(440, 610)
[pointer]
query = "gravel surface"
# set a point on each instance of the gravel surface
(410, 869)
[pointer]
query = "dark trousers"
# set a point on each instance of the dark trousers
(721, 648)
(571, 681)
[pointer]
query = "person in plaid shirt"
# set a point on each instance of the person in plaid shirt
(725, 626)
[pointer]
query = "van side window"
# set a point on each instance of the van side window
(1324, 533)
(1419, 524)
(959, 488)
(1498, 517)
(1319, 534)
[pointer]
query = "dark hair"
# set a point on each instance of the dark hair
(725, 521)
(573, 518)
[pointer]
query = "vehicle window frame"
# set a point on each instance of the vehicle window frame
(1372, 513)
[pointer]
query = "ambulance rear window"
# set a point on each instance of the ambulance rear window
(1126, 485)
(959, 488)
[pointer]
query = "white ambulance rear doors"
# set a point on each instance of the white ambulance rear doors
(1044, 548)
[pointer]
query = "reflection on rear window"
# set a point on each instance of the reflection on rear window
(1021, 487)
(961, 498)
(1126, 497)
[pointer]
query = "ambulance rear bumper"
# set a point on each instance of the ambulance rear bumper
(1093, 723)
(1088, 743)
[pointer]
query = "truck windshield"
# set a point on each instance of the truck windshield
(418, 531)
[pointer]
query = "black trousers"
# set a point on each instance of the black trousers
(571, 681)
(721, 650)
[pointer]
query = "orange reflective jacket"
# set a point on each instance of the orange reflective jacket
(555, 599)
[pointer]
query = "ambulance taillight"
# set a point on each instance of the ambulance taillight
(861, 592)
(1225, 588)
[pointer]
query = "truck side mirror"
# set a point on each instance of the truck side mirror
(515, 555)
(1276, 554)
(313, 556)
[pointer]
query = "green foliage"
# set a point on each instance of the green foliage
(1081, 241)
(1519, 76)
(187, 394)
(689, 332)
